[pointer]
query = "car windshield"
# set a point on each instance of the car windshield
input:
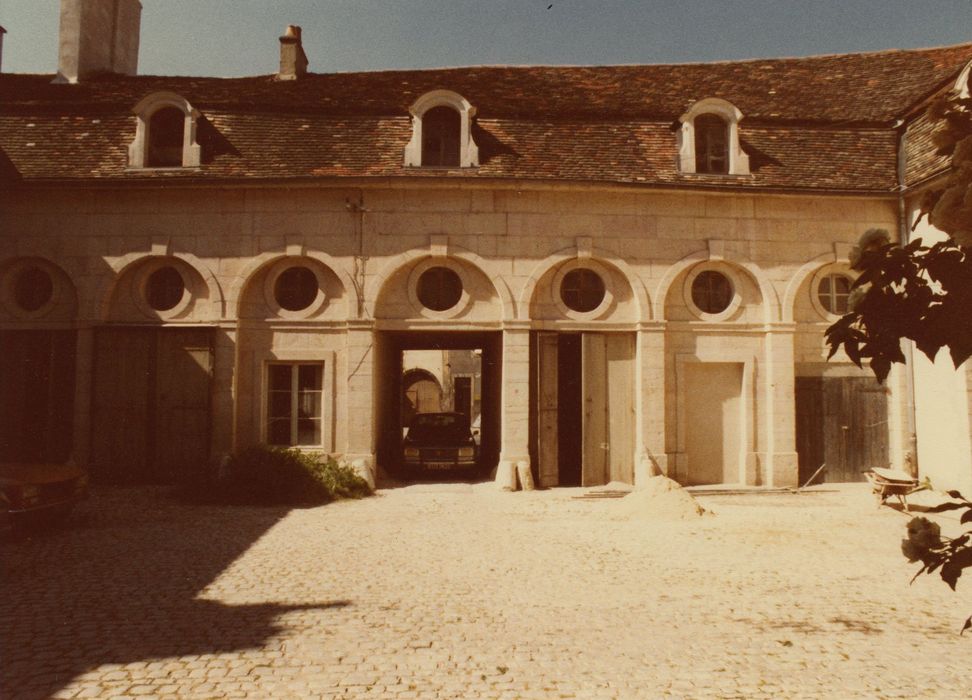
(439, 426)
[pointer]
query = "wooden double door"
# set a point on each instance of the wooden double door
(151, 397)
(841, 422)
(583, 410)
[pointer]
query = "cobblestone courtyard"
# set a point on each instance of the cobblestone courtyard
(456, 591)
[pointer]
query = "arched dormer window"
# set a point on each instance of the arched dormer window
(442, 132)
(165, 133)
(708, 140)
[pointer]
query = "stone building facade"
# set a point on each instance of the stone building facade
(644, 257)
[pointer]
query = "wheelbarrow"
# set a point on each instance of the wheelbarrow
(892, 482)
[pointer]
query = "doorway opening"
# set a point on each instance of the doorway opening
(422, 372)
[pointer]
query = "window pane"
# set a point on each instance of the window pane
(33, 288)
(278, 432)
(441, 127)
(280, 377)
(165, 137)
(712, 292)
(309, 377)
(308, 432)
(582, 290)
(711, 144)
(164, 288)
(296, 288)
(439, 288)
(279, 404)
(309, 404)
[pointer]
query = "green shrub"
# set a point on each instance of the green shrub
(280, 476)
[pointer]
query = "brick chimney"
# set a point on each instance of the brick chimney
(98, 36)
(293, 60)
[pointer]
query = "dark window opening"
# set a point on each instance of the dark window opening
(439, 288)
(441, 128)
(833, 293)
(164, 288)
(711, 144)
(296, 288)
(33, 288)
(582, 290)
(712, 292)
(165, 138)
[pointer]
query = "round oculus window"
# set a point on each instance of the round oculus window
(32, 288)
(164, 288)
(582, 290)
(439, 288)
(712, 292)
(296, 288)
(833, 292)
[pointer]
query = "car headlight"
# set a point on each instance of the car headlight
(466, 452)
(411, 452)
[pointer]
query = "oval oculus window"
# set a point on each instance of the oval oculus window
(712, 292)
(439, 288)
(296, 288)
(582, 290)
(32, 288)
(164, 288)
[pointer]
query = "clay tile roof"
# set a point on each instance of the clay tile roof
(813, 122)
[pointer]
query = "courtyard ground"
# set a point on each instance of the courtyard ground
(459, 591)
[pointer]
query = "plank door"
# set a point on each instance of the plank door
(547, 393)
(183, 380)
(594, 396)
(619, 358)
(123, 373)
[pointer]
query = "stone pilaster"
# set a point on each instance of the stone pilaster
(514, 405)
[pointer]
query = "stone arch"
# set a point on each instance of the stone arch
(126, 263)
(393, 265)
(264, 260)
(637, 287)
(770, 301)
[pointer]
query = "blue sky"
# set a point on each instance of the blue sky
(239, 37)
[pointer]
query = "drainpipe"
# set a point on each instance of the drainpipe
(904, 234)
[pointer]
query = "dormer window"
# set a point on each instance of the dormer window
(711, 144)
(165, 133)
(165, 138)
(442, 132)
(441, 129)
(708, 139)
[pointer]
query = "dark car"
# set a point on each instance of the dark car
(439, 442)
(39, 494)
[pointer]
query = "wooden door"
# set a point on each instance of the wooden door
(37, 395)
(123, 372)
(594, 393)
(183, 377)
(841, 422)
(151, 403)
(620, 358)
(546, 392)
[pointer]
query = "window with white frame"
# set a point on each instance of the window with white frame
(295, 404)
(833, 291)
(442, 132)
(165, 133)
(708, 139)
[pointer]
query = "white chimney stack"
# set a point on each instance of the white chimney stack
(98, 36)
(293, 60)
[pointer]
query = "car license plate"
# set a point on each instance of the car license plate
(438, 465)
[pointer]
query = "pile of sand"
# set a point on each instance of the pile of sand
(660, 499)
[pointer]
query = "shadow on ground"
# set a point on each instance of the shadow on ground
(119, 584)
